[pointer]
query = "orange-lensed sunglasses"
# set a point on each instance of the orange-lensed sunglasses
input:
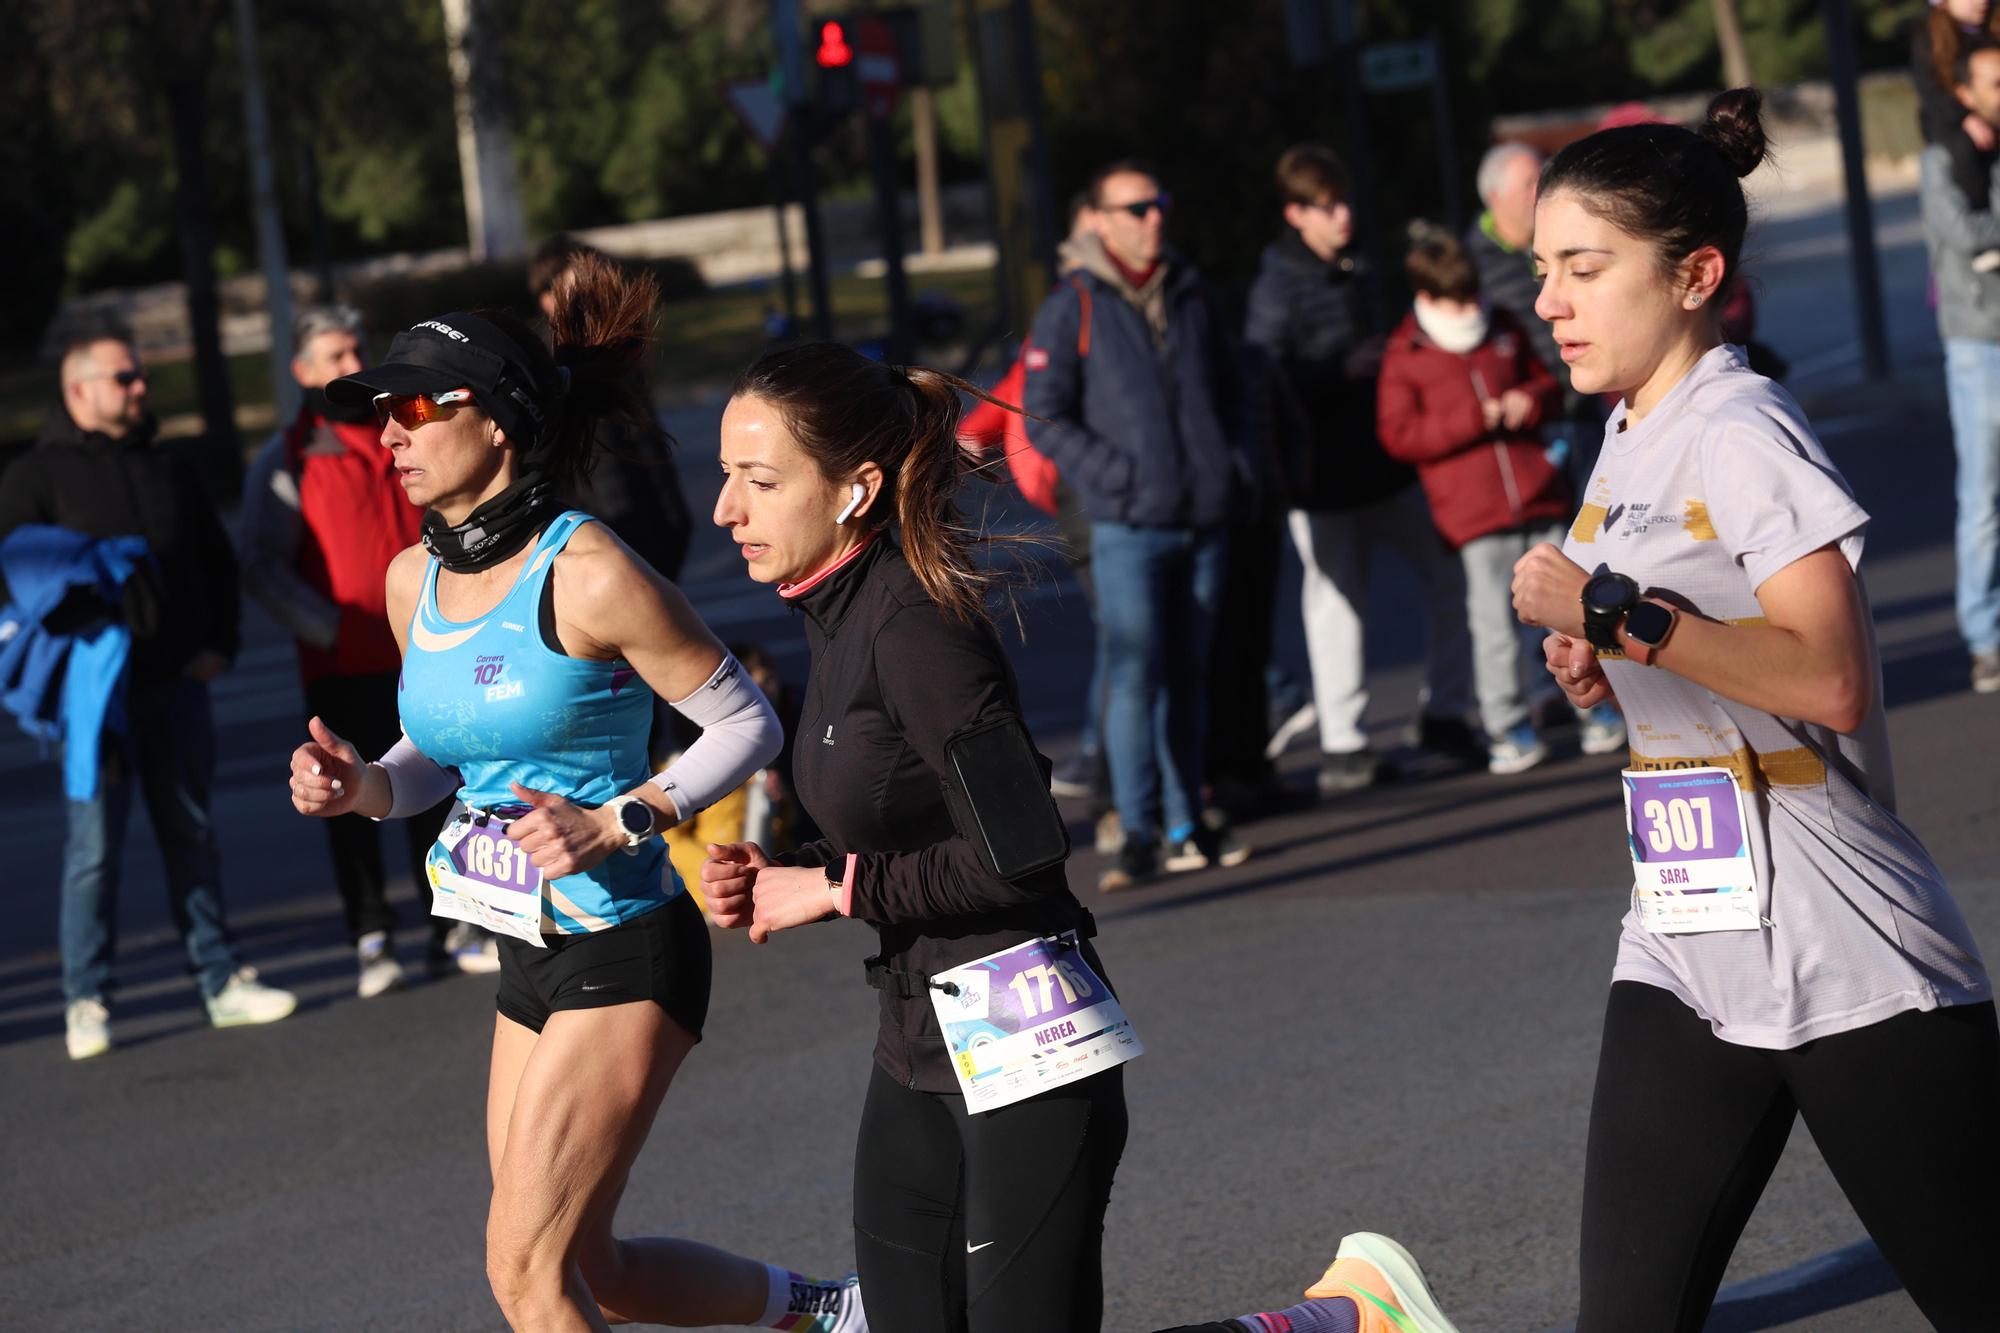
(414, 409)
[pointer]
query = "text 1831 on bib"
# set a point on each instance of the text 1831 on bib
(479, 875)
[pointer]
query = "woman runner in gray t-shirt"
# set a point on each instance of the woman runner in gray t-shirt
(1790, 947)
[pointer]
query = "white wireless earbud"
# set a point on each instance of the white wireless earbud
(860, 493)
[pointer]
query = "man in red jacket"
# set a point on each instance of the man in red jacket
(1461, 395)
(323, 515)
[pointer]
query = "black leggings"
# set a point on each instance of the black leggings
(990, 1222)
(1685, 1130)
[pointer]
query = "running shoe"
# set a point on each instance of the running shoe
(1180, 855)
(1347, 771)
(1603, 730)
(244, 1000)
(1073, 776)
(1109, 833)
(1136, 864)
(1516, 752)
(1384, 1283)
(465, 948)
(1986, 672)
(87, 1028)
(379, 969)
(1218, 841)
(848, 1317)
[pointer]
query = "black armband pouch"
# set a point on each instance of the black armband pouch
(998, 791)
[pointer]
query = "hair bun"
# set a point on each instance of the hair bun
(1735, 128)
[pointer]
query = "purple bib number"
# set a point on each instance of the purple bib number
(1684, 816)
(486, 855)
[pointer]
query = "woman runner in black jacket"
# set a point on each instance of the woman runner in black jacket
(965, 1219)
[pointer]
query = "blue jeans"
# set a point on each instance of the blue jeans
(1972, 381)
(169, 753)
(1158, 590)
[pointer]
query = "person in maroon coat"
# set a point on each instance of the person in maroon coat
(1462, 395)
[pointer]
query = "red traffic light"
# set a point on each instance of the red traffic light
(834, 52)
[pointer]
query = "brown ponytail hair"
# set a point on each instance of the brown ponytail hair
(601, 328)
(1946, 40)
(845, 410)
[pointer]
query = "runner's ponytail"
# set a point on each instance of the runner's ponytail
(845, 410)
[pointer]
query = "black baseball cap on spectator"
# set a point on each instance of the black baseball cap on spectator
(510, 372)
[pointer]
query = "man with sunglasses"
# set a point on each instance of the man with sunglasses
(96, 472)
(323, 515)
(1132, 391)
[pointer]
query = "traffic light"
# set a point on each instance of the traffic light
(834, 51)
(834, 92)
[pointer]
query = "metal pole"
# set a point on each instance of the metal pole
(270, 230)
(1838, 17)
(1041, 200)
(1447, 133)
(790, 283)
(888, 198)
(1360, 154)
(801, 135)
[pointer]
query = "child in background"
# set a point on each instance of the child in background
(763, 810)
(1461, 396)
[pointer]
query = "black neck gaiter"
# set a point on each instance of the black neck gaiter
(495, 530)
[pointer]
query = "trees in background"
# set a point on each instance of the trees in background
(618, 113)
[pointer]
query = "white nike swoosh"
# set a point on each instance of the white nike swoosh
(970, 1248)
(608, 985)
(433, 642)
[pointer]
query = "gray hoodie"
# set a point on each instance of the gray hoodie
(1968, 301)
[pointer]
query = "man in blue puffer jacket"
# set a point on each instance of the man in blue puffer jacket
(1132, 393)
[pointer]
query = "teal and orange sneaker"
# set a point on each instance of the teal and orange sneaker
(1384, 1283)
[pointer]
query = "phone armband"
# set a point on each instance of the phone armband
(998, 791)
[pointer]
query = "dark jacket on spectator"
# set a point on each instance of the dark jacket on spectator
(90, 483)
(1306, 314)
(1507, 282)
(1135, 396)
(1478, 481)
(1941, 118)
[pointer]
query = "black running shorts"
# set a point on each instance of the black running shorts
(662, 956)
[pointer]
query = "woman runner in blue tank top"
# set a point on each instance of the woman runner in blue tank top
(534, 644)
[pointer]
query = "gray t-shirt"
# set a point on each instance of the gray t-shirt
(1721, 486)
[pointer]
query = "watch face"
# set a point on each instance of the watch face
(1609, 592)
(1649, 622)
(636, 818)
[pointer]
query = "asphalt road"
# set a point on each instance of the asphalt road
(1387, 1019)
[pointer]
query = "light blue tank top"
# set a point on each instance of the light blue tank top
(490, 698)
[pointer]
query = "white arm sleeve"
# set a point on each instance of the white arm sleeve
(739, 735)
(416, 782)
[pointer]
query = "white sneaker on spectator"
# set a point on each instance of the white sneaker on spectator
(1109, 834)
(1516, 752)
(246, 1000)
(472, 949)
(87, 1028)
(379, 969)
(1603, 730)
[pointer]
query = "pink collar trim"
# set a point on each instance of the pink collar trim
(813, 580)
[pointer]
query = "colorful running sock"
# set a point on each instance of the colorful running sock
(1179, 834)
(1336, 1314)
(811, 1305)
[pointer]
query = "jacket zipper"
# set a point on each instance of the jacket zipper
(1507, 480)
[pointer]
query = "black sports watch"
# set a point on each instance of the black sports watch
(1606, 600)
